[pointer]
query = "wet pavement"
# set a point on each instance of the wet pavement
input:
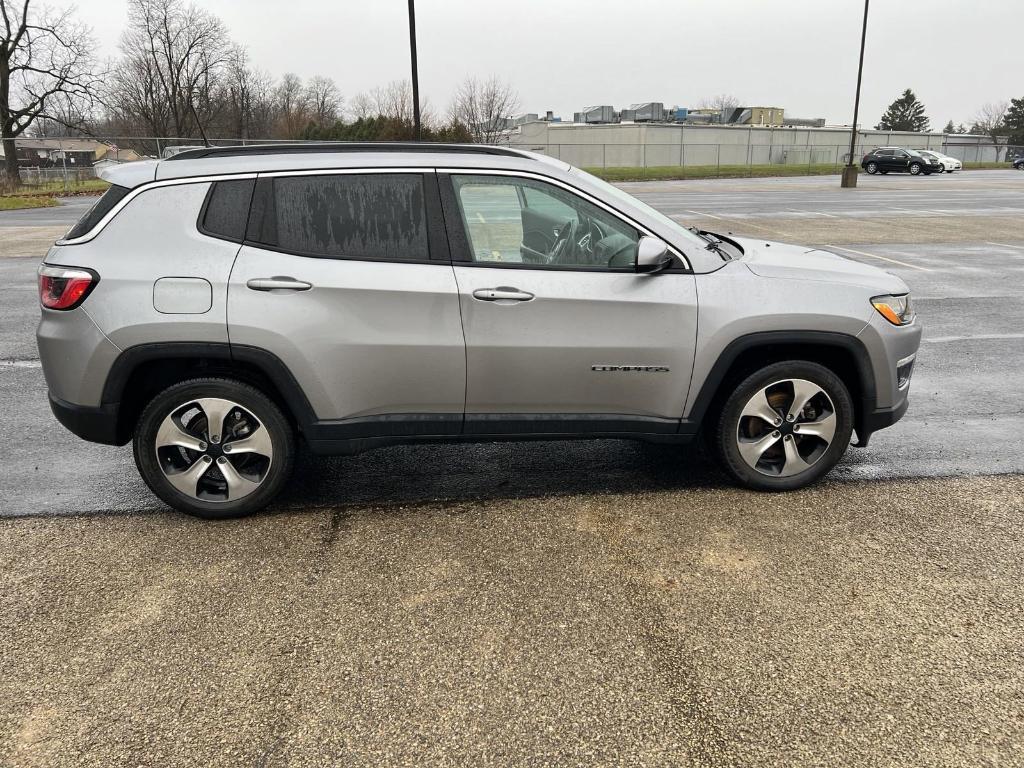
(966, 414)
(577, 603)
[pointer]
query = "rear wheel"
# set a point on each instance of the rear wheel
(214, 448)
(871, 168)
(784, 426)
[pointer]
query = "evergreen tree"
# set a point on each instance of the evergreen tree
(904, 114)
(1014, 121)
(961, 128)
(950, 128)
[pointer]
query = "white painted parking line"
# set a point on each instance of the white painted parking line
(20, 364)
(1005, 245)
(698, 213)
(876, 256)
(978, 337)
(814, 213)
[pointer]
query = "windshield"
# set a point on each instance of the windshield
(614, 192)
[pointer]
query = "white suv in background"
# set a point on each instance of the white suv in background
(949, 164)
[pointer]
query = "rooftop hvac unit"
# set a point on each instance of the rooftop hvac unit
(648, 111)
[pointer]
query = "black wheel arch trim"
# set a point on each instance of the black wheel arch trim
(765, 339)
(266, 362)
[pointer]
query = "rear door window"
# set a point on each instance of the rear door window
(100, 208)
(379, 216)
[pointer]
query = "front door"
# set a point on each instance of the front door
(562, 334)
(337, 279)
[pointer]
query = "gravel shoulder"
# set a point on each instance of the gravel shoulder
(850, 624)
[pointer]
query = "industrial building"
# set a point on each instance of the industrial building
(655, 112)
(648, 144)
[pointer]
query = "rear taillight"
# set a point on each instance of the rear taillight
(65, 287)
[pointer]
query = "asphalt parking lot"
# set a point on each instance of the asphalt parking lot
(571, 603)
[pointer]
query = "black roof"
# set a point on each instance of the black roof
(342, 146)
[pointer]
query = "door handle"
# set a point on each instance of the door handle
(278, 284)
(501, 293)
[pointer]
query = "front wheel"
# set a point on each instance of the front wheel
(214, 448)
(784, 426)
(915, 169)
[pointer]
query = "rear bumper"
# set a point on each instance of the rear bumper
(97, 424)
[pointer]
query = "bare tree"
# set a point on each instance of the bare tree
(291, 107)
(46, 62)
(248, 95)
(324, 100)
(394, 101)
(718, 103)
(173, 68)
(484, 108)
(990, 121)
(361, 106)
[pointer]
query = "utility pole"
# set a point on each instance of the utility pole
(415, 73)
(849, 178)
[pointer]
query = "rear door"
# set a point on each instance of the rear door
(884, 159)
(562, 333)
(346, 278)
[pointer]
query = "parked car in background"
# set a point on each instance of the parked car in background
(1018, 163)
(220, 306)
(899, 160)
(949, 164)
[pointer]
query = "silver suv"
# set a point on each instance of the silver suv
(219, 306)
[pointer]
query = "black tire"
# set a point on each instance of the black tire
(949, 171)
(725, 438)
(871, 168)
(250, 399)
(915, 169)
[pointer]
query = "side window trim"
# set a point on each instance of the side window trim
(136, 191)
(437, 237)
(461, 252)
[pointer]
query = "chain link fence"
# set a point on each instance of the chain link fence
(70, 165)
(683, 160)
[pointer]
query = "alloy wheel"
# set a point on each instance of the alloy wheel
(786, 427)
(213, 449)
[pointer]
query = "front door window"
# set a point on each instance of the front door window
(522, 221)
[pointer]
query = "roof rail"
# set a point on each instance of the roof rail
(342, 146)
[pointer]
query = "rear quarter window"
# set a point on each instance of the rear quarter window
(227, 209)
(100, 208)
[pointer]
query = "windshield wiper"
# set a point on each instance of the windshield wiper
(714, 243)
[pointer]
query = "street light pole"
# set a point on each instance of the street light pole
(415, 73)
(849, 178)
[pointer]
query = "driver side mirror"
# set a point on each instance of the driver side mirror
(652, 255)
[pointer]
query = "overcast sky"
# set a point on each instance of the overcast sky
(566, 54)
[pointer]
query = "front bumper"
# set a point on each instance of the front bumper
(873, 419)
(890, 348)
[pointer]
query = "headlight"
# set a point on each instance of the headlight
(896, 309)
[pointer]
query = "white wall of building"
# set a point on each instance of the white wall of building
(651, 144)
